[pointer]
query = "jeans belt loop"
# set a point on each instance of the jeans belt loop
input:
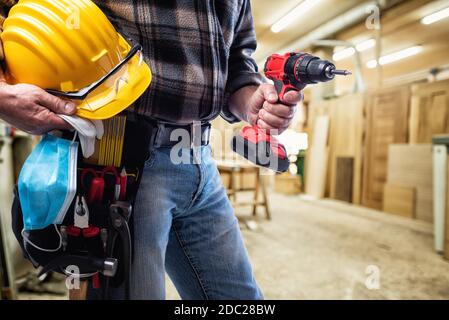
(206, 134)
(157, 135)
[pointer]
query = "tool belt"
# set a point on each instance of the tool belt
(100, 248)
(164, 135)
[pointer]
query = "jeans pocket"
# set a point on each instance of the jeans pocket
(150, 160)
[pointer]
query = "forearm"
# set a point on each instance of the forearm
(2, 90)
(238, 102)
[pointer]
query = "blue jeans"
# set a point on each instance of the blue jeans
(185, 225)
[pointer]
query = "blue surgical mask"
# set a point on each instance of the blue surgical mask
(47, 182)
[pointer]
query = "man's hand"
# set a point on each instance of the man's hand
(32, 109)
(262, 106)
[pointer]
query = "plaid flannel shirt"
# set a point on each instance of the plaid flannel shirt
(199, 52)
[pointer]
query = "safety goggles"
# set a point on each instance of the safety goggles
(84, 92)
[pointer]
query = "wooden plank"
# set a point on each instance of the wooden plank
(321, 132)
(288, 184)
(400, 200)
(316, 172)
(429, 114)
(411, 166)
(79, 294)
(346, 139)
(446, 240)
(387, 114)
(344, 178)
(316, 169)
(316, 109)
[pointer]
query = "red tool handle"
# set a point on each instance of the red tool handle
(282, 89)
(96, 190)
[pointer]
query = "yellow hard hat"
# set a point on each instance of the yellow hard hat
(70, 48)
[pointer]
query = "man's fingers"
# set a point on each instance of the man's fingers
(273, 121)
(292, 97)
(57, 123)
(280, 110)
(273, 130)
(269, 93)
(45, 120)
(57, 105)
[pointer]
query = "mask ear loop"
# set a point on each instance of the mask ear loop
(75, 136)
(27, 240)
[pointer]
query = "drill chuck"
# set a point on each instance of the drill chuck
(308, 69)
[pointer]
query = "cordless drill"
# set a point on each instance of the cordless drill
(289, 72)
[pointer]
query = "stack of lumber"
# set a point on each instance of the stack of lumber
(317, 109)
(429, 111)
(400, 200)
(316, 168)
(346, 140)
(286, 183)
(409, 188)
(344, 151)
(387, 114)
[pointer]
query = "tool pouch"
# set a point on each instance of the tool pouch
(102, 249)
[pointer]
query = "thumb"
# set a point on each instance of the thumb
(57, 105)
(264, 93)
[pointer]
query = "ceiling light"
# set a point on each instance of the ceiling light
(293, 15)
(392, 57)
(360, 47)
(365, 45)
(371, 64)
(437, 16)
(341, 54)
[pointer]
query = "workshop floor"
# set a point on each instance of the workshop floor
(323, 249)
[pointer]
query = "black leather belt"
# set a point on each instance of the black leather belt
(163, 134)
(187, 136)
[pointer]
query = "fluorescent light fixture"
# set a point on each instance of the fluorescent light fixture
(395, 56)
(437, 16)
(371, 64)
(341, 54)
(365, 45)
(360, 47)
(293, 15)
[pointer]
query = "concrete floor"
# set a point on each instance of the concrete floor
(322, 249)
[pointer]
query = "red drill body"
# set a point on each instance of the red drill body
(276, 69)
(289, 72)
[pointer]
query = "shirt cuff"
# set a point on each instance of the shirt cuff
(242, 80)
